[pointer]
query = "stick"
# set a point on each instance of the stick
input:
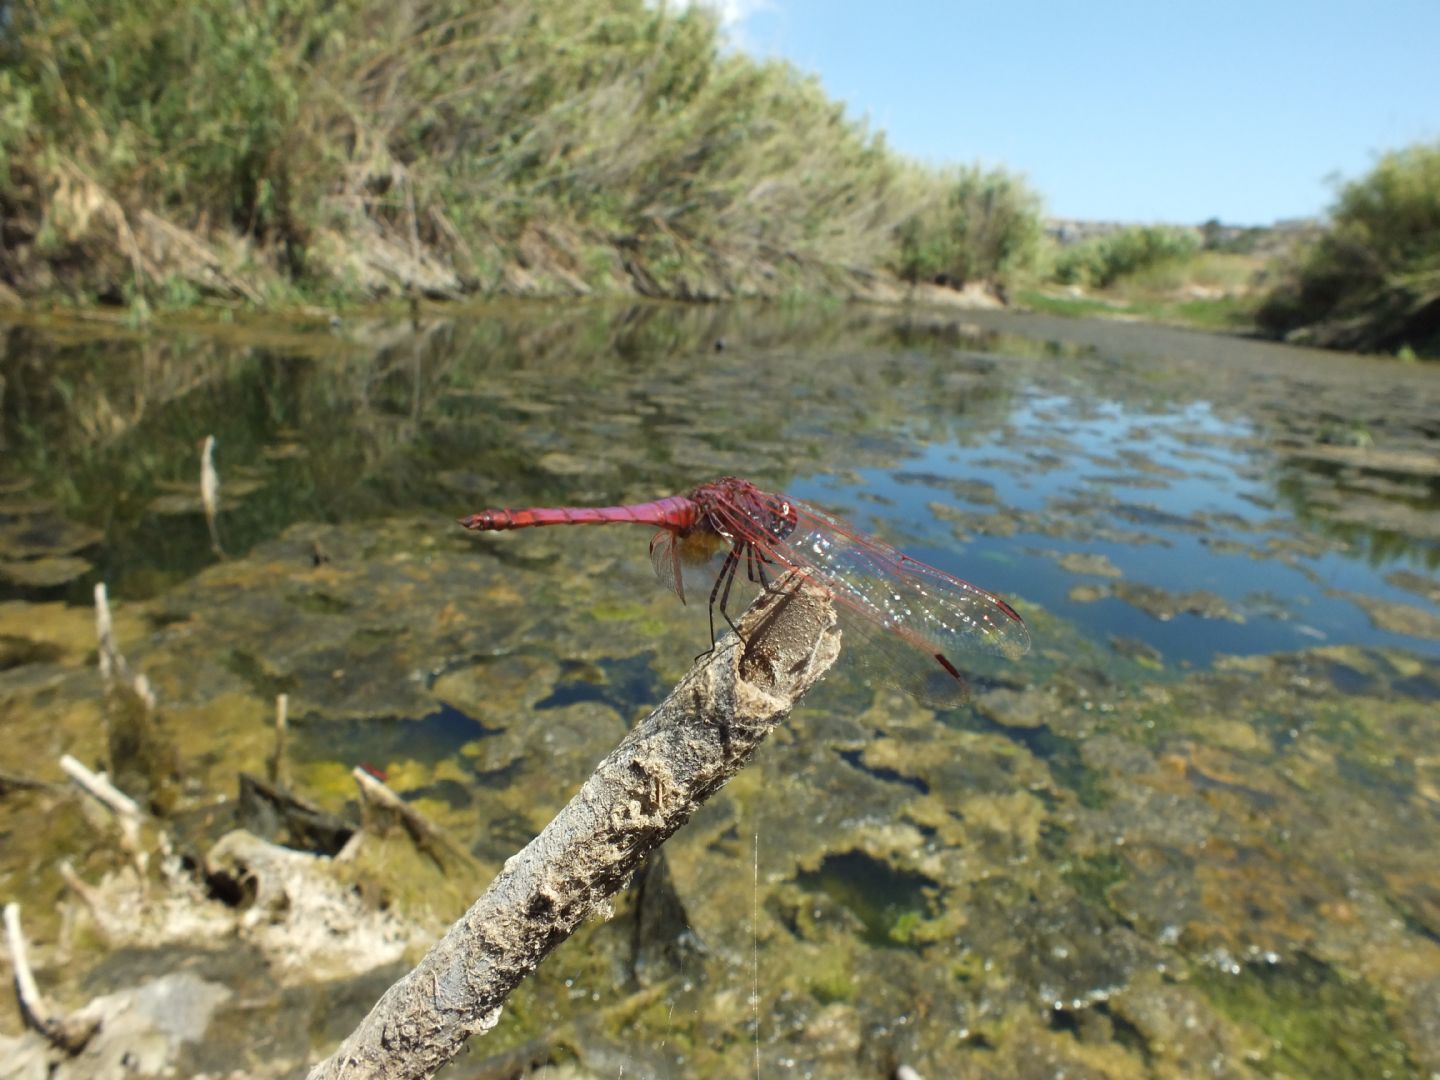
(112, 664)
(279, 774)
(16, 781)
(128, 814)
(101, 789)
(70, 1034)
(424, 833)
(210, 494)
(686, 750)
(89, 896)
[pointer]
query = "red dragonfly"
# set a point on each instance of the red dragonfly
(911, 615)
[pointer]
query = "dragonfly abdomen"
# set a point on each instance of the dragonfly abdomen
(675, 512)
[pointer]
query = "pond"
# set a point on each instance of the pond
(1196, 823)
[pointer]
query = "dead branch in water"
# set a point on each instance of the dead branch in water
(126, 811)
(210, 494)
(277, 768)
(660, 774)
(69, 1033)
(142, 757)
(378, 803)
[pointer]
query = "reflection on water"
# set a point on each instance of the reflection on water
(1210, 792)
(993, 456)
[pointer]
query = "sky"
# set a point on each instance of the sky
(1135, 112)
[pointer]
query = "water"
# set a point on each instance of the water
(1217, 762)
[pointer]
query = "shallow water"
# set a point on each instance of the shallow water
(1209, 791)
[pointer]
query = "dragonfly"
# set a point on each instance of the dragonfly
(915, 620)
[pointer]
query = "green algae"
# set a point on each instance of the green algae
(1318, 1024)
(889, 902)
(1093, 876)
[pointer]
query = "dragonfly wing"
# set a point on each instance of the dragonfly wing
(882, 658)
(665, 558)
(916, 622)
(688, 567)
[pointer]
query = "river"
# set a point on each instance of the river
(1197, 823)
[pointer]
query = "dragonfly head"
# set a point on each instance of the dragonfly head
(775, 514)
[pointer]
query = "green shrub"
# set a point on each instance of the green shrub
(980, 225)
(1372, 277)
(1102, 260)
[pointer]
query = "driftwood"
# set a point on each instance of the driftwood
(210, 494)
(702, 735)
(10, 781)
(142, 757)
(278, 815)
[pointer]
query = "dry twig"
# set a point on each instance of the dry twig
(126, 810)
(377, 800)
(69, 1033)
(278, 770)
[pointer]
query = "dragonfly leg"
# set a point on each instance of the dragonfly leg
(722, 579)
(758, 574)
(755, 568)
(727, 577)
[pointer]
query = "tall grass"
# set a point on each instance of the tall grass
(246, 147)
(1371, 280)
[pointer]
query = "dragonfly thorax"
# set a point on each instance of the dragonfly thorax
(737, 510)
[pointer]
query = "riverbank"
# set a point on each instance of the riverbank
(362, 152)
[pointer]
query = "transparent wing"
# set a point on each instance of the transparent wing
(689, 568)
(666, 560)
(916, 622)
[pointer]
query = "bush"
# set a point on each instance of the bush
(437, 138)
(1372, 277)
(980, 226)
(1102, 260)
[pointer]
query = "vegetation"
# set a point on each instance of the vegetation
(1103, 260)
(1371, 280)
(1210, 289)
(978, 226)
(279, 149)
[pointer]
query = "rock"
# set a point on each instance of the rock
(1016, 708)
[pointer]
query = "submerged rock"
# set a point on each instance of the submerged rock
(45, 572)
(1097, 565)
(1395, 617)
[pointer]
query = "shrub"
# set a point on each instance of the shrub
(443, 135)
(981, 225)
(1372, 277)
(1102, 260)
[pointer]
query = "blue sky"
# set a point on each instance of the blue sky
(1128, 111)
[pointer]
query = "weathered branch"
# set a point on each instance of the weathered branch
(378, 803)
(125, 810)
(101, 789)
(686, 750)
(277, 768)
(69, 1033)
